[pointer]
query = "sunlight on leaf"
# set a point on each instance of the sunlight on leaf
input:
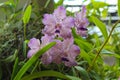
(27, 14)
(101, 26)
(60, 2)
(98, 4)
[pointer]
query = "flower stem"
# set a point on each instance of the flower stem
(24, 31)
(93, 61)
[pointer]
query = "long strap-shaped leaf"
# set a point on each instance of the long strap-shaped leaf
(119, 7)
(27, 14)
(27, 65)
(48, 73)
(101, 26)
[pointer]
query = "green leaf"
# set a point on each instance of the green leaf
(96, 39)
(15, 68)
(106, 52)
(82, 62)
(48, 73)
(101, 26)
(83, 44)
(11, 58)
(98, 4)
(73, 78)
(12, 1)
(7, 4)
(0, 72)
(119, 7)
(83, 73)
(104, 13)
(85, 56)
(60, 2)
(27, 14)
(74, 33)
(94, 75)
(35, 66)
(116, 55)
(73, 71)
(47, 2)
(25, 47)
(28, 64)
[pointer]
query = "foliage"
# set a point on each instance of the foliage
(99, 57)
(95, 6)
(119, 7)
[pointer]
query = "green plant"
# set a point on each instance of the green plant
(99, 57)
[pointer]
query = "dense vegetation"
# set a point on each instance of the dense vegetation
(23, 20)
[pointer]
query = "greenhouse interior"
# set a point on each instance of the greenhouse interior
(59, 39)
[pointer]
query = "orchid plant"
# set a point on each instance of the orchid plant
(58, 28)
(57, 44)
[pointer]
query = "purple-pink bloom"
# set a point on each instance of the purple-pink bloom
(57, 23)
(81, 22)
(60, 13)
(34, 45)
(46, 40)
(57, 52)
(58, 28)
(46, 57)
(70, 51)
(63, 52)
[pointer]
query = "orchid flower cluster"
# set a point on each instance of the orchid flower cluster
(58, 28)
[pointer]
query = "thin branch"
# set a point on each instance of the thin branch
(93, 61)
